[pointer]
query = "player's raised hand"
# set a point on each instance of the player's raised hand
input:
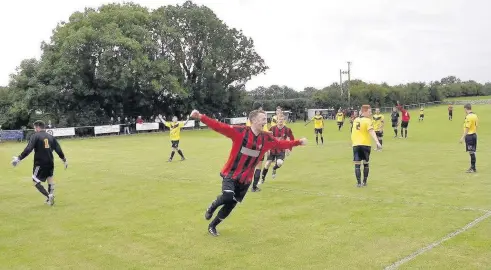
(15, 161)
(195, 114)
(303, 141)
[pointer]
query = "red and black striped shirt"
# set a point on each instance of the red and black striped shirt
(281, 134)
(247, 148)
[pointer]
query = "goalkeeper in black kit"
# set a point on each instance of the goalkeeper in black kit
(43, 145)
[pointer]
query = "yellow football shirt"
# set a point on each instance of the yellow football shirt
(340, 117)
(360, 134)
(318, 121)
(274, 120)
(175, 130)
(471, 123)
(421, 111)
(378, 122)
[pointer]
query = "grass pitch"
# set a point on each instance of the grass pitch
(121, 206)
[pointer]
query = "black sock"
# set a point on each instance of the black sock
(358, 173)
(366, 171)
(222, 214)
(317, 140)
(180, 153)
(265, 172)
(51, 188)
(473, 161)
(395, 131)
(405, 135)
(257, 175)
(42, 189)
(380, 141)
(322, 140)
(172, 154)
(339, 128)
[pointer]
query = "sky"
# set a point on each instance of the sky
(306, 42)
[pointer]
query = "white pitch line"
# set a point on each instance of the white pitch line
(439, 242)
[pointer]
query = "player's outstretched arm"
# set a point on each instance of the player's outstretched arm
(284, 145)
(27, 150)
(217, 126)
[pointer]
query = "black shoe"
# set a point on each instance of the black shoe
(364, 184)
(255, 189)
(213, 231)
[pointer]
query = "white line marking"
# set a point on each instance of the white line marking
(439, 242)
(313, 193)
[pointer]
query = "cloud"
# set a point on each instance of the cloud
(305, 43)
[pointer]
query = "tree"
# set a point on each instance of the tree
(212, 61)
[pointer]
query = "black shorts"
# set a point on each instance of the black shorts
(471, 142)
(239, 189)
(340, 124)
(450, 113)
(404, 124)
(273, 157)
(421, 116)
(379, 134)
(394, 124)
(41, 173)
(361, 152)
(175, 144)
(318, 131)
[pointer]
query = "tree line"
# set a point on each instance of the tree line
(126, 60)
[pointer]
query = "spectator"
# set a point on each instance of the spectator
(127, 124)
(139, 120)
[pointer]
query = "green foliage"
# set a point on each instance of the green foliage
(124, 60)
(382, 95)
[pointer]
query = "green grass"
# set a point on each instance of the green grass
(121, 206)
(468, 98)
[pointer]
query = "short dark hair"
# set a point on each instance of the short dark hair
(254, 113)
(39, 124)
(468, 106)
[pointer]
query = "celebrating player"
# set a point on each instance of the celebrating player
(421, 114)
(378, 124)
(175, 135)
(394, 116)
(405, 120)
(360, 137)
(43, 145)
(249, 144)
(280, 132)
(318, 126)
(259, 166)
(340, 119)
(450, 112)
(470, 135)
